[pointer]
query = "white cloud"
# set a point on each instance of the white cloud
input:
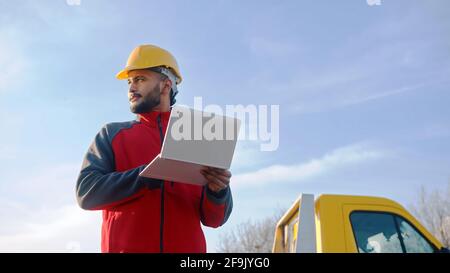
(56, 181)
(43, 215)
(63, 229)
(347, 91)
(336, 159)
(248, 155)
(381, 95)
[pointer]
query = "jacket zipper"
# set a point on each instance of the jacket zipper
(161, 228)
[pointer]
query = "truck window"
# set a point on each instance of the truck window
(414, 242)
(375, 232)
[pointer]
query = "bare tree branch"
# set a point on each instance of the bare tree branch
(250, 236)
(433, 210)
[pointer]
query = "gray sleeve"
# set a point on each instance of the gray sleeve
(99, 186)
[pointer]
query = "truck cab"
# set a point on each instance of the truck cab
(351, 224)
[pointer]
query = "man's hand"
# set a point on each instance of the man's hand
(218, 179)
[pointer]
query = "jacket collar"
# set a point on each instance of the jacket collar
(151, 118)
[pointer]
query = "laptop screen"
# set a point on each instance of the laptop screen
(200, 137)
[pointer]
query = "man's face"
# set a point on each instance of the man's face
(144, 90)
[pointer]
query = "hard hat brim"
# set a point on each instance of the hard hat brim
(123, 74)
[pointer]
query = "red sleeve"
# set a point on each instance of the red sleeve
(215, 208)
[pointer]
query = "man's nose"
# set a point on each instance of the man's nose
(132, 89)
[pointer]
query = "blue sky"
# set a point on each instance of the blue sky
(363, 94)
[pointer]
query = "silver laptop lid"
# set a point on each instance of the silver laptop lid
(200, 137)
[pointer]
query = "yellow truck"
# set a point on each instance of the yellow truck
(351, 224)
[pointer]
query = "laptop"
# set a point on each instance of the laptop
(194, 140)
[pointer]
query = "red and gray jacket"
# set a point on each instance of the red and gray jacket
(143, 214)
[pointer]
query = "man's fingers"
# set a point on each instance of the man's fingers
(215, 180)
(221, 178)
(218, 178)
(223, 175)
(222, 172)
(213, 187)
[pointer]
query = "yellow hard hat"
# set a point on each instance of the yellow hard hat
(147, 56)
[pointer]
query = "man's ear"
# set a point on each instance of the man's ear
(167, 86)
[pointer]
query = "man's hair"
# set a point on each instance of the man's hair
(162, 76)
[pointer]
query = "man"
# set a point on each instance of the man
(142, 214)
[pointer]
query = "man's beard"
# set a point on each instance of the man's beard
(147, 103)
